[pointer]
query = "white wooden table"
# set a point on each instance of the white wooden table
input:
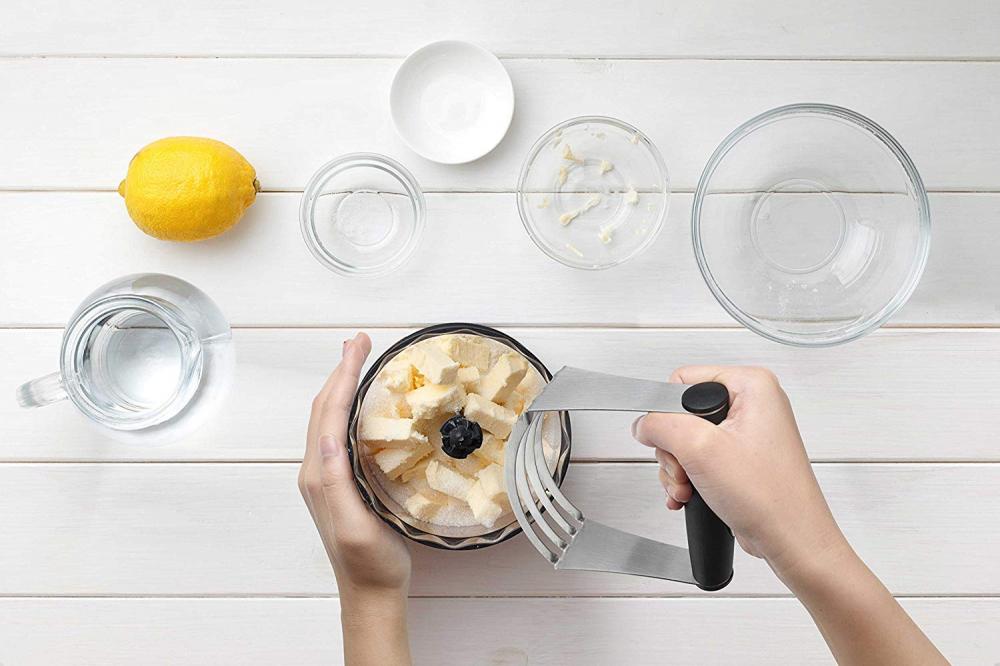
(202, 552)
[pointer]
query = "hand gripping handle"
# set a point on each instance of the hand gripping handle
(710, 541)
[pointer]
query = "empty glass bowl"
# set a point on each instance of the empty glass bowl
(811, 225)
(593, 192)
(362, 214)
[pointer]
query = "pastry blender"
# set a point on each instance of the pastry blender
(570, 540)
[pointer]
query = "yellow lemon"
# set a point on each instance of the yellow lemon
(186, 188)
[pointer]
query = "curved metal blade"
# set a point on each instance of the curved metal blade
(597, 547)
(573, 389)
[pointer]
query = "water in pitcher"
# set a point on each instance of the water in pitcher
(131, 361)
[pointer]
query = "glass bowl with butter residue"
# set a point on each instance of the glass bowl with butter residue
(451, 527)
(593, 192)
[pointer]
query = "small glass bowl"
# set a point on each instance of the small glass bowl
(593, 192)
(811, 225)
(362, 214)
(448, 538)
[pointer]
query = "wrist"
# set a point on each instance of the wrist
(372, 607)
(825, 558)
(374, 626)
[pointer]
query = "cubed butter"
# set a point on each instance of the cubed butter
(397, 375)
(379, 432)
(396, 461)
(515, 402)
(530, 386)
(468, 378)
(491, 479)
(436, 366)
(483, 508)
(420, 507)
(503, 377)
(467, 466)
(421, 486)
(446, 480)
(431, 399)
(469, 352)
(493, 417)
(415, 472)
(492, 449)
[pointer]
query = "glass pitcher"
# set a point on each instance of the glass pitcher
(146, 358)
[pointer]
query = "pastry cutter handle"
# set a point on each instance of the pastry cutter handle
(710, 541)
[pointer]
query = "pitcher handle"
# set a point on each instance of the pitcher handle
(42, 391)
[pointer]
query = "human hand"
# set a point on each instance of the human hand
(369, 560)
(752, 469)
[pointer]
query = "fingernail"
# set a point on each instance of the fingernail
(635, 427)
(329, 446)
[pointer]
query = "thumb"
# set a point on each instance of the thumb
(684, 435)
(344, 503)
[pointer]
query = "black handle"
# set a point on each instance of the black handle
(710, 541)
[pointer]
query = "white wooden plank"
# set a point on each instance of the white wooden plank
(211, 529)
(881, 398)
(87, 117)
(201, 632)
(588, 27)
(57, 247)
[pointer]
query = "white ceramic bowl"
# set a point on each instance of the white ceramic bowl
(451, 101)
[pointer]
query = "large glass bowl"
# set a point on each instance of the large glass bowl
(811, 225)
(557, 429)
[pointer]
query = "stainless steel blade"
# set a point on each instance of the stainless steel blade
(597, 547)
(573, 389)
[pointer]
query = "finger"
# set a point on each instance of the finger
(337, 407)
(311, 471)
(679, 491)
(341, 391)
(673, 504)
(683, 435)
(670, 465)
(312, 431)
(344, 506)
(695, 374)
(355, 351)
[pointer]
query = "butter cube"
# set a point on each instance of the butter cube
(468, 466)
(469, 352)
(492, 449)
(468, 378)
(430, 399)
(415, 472)
(421, 486)
(491, 479)
(530, 386)
(380, 432)
(483, 508)
(436, 366)
(420, 507)
(493, 417)
(446, 480)
(503, 377)
(397, 375)
(515, 402)
(396, 461)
